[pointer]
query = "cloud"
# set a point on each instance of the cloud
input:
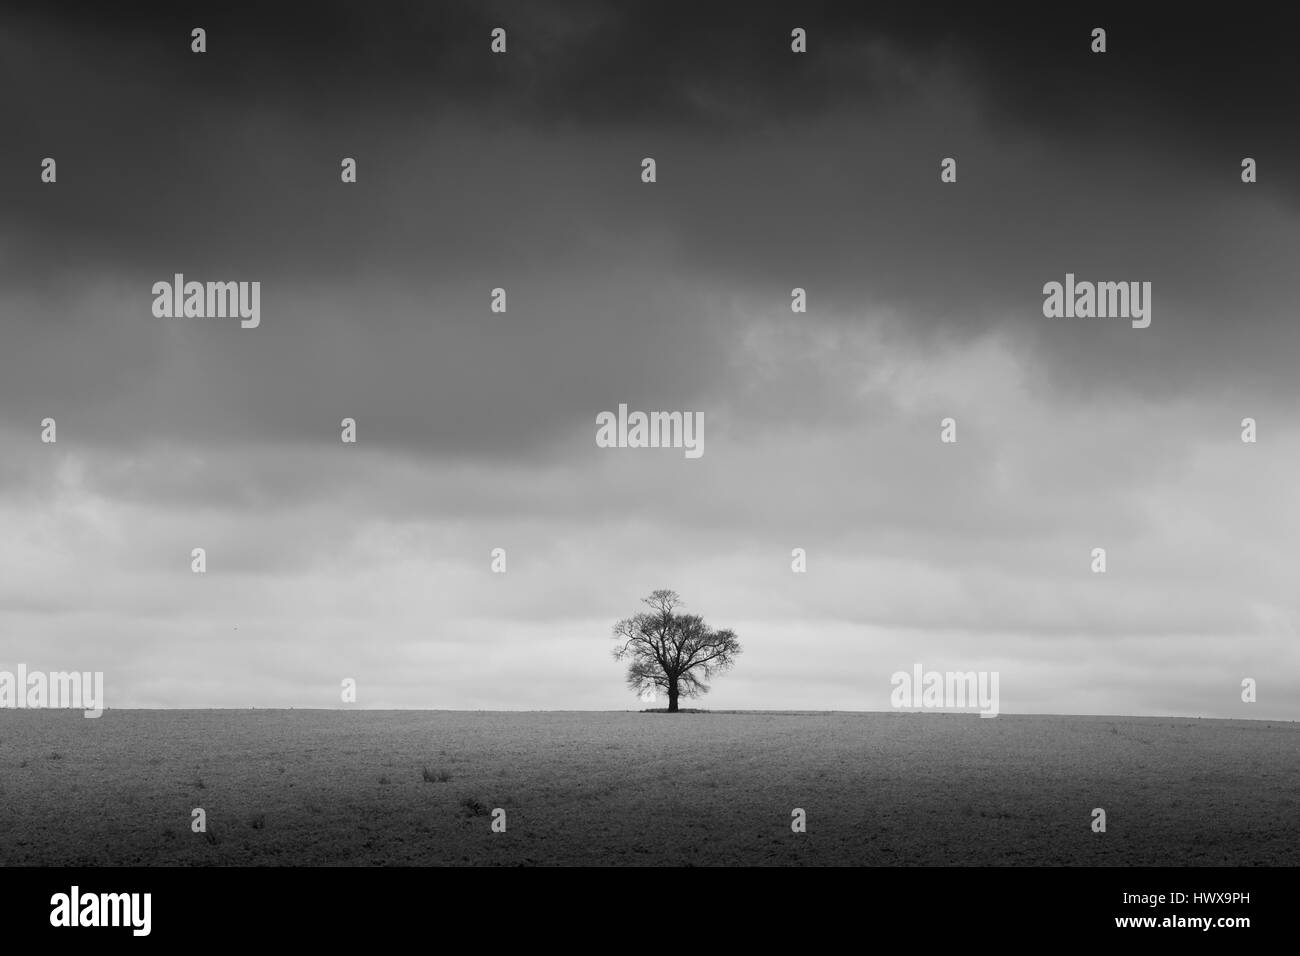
(476, 429)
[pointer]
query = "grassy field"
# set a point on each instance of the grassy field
(302, 787)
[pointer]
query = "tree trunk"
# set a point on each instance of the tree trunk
(672, 697)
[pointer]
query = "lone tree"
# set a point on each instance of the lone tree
(670, 651)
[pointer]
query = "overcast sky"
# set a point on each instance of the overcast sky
(477, 430)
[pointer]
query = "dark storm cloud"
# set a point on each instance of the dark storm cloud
(824, 159)
(612, 63)
(477, 171)
(245, 139)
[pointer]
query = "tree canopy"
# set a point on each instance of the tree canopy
(670, 651)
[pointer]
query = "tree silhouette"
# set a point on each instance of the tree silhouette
(670, 651)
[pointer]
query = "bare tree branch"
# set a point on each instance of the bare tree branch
(672, 650)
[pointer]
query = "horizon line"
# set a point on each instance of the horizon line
(684, 711)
